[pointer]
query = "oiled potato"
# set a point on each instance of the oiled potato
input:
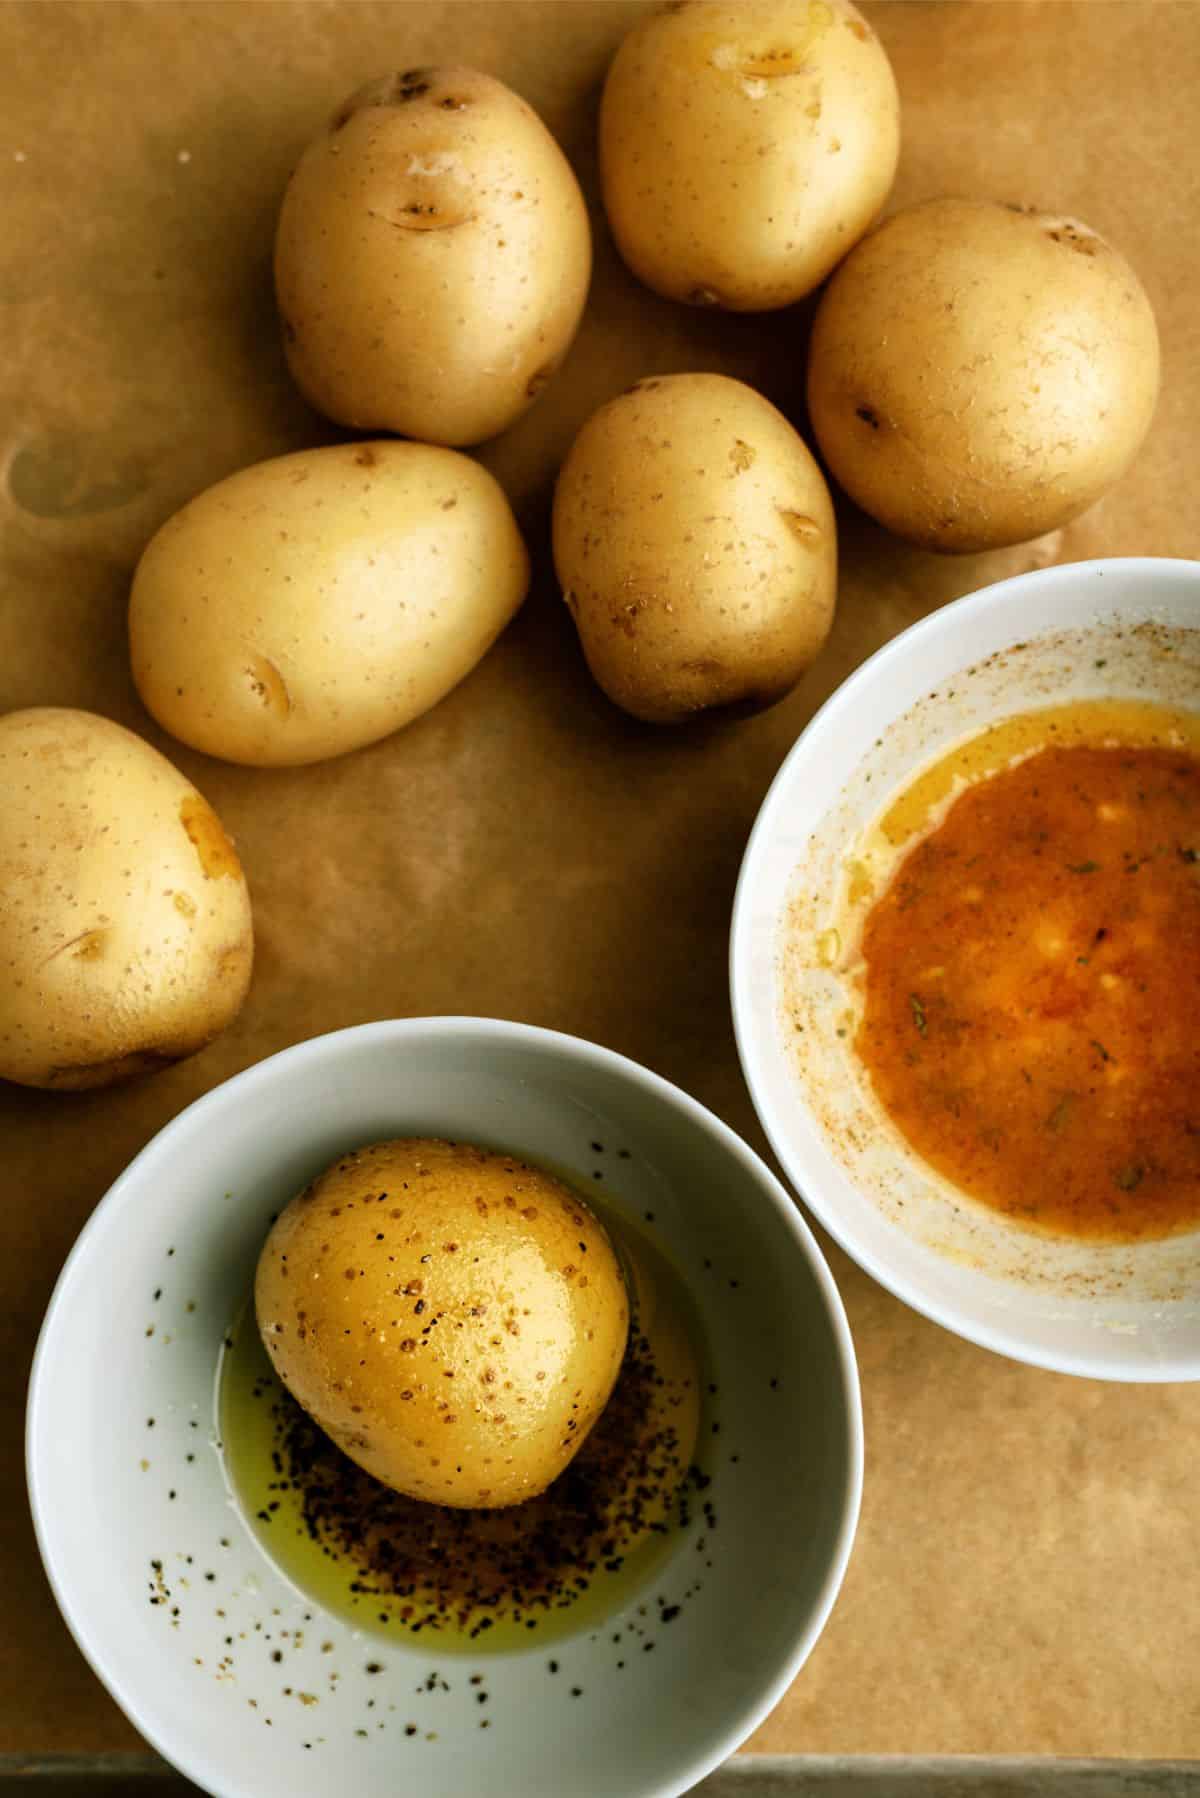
(454, 1319)
(125, 935)
(314, 603)
(432, 258)
(695, 543)
(979, 374)
(745, 145)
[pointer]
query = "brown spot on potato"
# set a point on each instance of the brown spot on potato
(539, 379)
(868, 415)
(365, 457)
(421, 215)
(218, 858)
(859, 29)
(388, 90)
(185, 906)
(88, 945)
(1071, 239)
(703, 296)
(774, 62)
(806, 529)
(232, 963)
(741, 455)
(268, 685)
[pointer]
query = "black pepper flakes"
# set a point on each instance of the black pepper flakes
(596, 1508)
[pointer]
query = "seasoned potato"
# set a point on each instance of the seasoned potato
(432, 258)
(454, 1319)
(745, 145)
(314, 603)
(125, 935)
(694, 539)
(979, 374)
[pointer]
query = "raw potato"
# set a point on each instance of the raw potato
(454, 1319)
(314, 603)
(125, 934)
(694, 539)
(432, 258)
(745, 146)
(980, 374)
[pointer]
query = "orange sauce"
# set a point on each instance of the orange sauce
(1031, 986)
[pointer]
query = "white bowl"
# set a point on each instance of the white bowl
(1086, 630)
(216, 1677)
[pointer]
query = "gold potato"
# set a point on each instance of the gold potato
(125, 933)
(314, 603)
(695, 543)
(979, 374)
(432, 258)
(454, 1319)
(745, 146)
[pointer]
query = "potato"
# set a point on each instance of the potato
(317, 602)
(979, 374)
(125, 935)
(745, 145)
(694, 539)
(432, 258)
(454, 1319)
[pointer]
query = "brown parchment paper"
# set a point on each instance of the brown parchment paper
(1027, 1572)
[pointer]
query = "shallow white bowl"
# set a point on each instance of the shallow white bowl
(216, 1676)
(1127, 628)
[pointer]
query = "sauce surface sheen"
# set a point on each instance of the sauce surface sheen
(1031, 987)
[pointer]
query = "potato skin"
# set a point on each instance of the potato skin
(695, 542)
(745, 146)
(980, 374)
(314, 603)
(432, 258)
(453, 1318)
(125, 932)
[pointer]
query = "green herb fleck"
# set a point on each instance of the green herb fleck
(1062, 1111)
(1101, 1051)
(1102, 663)
(1127, 1178)
(1189, 855)
(1082, 867)
(918, 1014)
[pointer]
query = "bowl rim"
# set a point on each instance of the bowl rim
(958, 1319)
(397, 1031)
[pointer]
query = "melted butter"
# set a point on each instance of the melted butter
(921, 806)
(604, 1547)
(1116, 723)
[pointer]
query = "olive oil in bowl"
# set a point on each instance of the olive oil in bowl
(497, 1579)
